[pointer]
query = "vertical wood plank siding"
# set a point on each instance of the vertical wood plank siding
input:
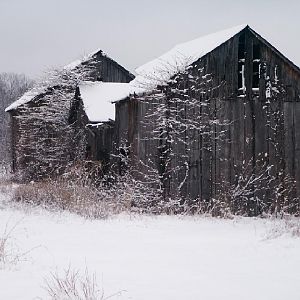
(261, 131)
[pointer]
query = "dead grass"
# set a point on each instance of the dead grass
(72, 285)
(85, 200)
(5, 184)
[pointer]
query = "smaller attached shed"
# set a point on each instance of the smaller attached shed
(93, 113)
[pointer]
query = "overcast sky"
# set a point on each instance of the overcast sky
(40, 34)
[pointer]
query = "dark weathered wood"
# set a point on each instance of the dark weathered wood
(289, 128)
(260, 133)
(297, 144)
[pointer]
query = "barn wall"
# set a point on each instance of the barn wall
(134, 133)
(261, 132)
(14, 139)
(127, 119)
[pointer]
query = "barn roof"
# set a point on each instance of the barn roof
(97, 98)
(36, 91)
(27, 97)
(283, 57)
(160, 70)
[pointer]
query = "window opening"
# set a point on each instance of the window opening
(241, 64)
(256, 66)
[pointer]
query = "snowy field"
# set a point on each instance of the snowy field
(152, 258)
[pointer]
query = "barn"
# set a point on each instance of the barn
(218, 121)
(44, 139)
(214, 121)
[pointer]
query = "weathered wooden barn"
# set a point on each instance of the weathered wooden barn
(215, 120)
(220, 121)
(41, 120)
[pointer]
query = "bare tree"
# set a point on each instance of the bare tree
(12, 86)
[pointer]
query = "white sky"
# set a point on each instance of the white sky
(40, 34)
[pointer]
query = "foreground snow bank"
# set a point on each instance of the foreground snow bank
(153, 257)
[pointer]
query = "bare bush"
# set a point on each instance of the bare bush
(287, 226)
(5, 188)
(9, 252)
(74, 286)
(293, 226)
(76, 191)
(179, 117)
(60, 195)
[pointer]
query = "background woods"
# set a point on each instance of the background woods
(12, 86)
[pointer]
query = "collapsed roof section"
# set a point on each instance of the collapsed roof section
(98, 98)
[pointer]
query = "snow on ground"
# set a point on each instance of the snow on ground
(146, 257)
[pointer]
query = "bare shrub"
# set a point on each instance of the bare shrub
(257, 190)
(9, 252)
(6, 188)
(74, 286)
(293, 226)
(4, 246)
(77, 191)
(86, 201)
(287, 226)
(140, 197)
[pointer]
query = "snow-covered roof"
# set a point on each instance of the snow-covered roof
(98, 96)
(27, 97)
(31, 94)
(85, 58)
(153, 73)
(161, 69)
